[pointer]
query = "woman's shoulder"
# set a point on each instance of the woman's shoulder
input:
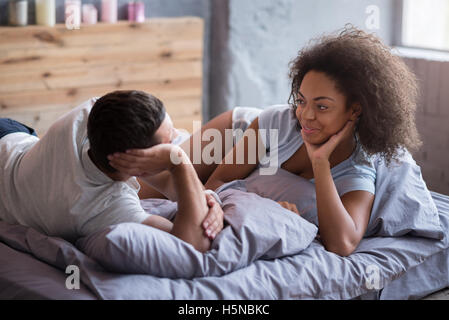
(360, 158)
(356, 173)
(279, 122)
(358, 164)
(276, 117)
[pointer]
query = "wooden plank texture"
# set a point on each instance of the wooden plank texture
(46, 71)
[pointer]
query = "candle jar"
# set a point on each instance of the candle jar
(131, 11)
(73, 14)
(18, 12)
(139, 11)
(136, 11)
(45, 12)
(90, 14)
(109, 11)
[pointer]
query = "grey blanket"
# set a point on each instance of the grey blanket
(314, 273)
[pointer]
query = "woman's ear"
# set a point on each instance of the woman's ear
(356, 111)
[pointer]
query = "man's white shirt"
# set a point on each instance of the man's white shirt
(52, 185)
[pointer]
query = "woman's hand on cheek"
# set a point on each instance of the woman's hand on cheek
(323, 151)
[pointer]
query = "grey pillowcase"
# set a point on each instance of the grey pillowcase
(160, 207)
(402, 205)
(285, 186)
(259, 228)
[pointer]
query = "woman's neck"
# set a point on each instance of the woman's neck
(343, 151)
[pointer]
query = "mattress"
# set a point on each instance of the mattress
(22, 276)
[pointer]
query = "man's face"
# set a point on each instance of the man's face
(166, 131)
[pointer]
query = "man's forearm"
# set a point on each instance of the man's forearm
(192, 206)
(188, 188)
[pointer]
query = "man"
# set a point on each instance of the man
(63, 184)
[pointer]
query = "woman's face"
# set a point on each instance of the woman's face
(321, 108)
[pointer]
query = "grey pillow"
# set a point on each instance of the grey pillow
(402, 205)
(259, 228)
(285, 186)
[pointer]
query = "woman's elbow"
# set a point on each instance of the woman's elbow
(213, 184)
(343, 249)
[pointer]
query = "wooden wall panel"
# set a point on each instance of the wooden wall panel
(432, 118)
(46, 71)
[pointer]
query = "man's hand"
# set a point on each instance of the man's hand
(147, 162)
(289, 206)
(213, 223)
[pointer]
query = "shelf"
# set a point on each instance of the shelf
(46, 71)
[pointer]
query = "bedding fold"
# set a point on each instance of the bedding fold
(256, 228)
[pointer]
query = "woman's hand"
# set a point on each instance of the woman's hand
(213, 223)
(147, 162)
(323, 151)
(289, 206)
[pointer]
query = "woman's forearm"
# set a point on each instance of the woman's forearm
(229, 172)
(214, 183)
(337, 228)
(163, 183)
(223, 174)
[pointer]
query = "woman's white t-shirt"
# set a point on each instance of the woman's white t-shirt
(355, 173)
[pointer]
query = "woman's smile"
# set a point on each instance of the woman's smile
(308, 130)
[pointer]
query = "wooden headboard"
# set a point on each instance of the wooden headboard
(46, 71)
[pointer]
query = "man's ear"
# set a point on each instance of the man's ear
(356, 111)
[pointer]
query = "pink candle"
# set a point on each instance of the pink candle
(90, 14)
(140, 11)
(131, 11)
(109, 11)
(136, 11)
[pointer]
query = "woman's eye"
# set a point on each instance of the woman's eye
(321, 107)
(299, 101)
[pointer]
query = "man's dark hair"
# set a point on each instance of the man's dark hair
(123, 120)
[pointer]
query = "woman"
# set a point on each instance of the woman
(351, 98)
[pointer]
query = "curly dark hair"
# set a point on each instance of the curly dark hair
(366, 71)
(121, 120)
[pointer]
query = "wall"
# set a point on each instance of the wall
(432, 119)
(264, 36)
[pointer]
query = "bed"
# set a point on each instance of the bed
(24, 276)
(264, 252)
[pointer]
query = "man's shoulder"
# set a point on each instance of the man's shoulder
(119, 205)
(78, 114)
